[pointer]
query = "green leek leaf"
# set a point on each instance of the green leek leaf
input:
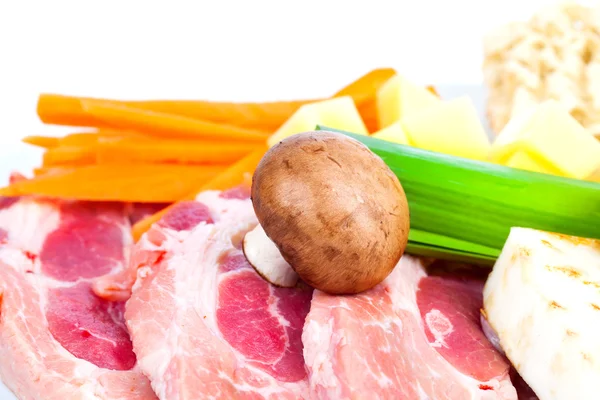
(467, 207)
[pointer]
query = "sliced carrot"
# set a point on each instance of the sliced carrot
(238, 174)
(120, 150)
(93, 137)
(50, 170)
(40, 171)
(364, 91)
(69, 155)
(266, 117)
(77, 139)
(165, 125)
(80, 139)
(143, 183)
(63, 110)
(42, 141)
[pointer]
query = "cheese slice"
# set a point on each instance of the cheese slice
(399, 97)
(548, 132)
(339, 113)
(393, 133)
(542, 299)
(451, 127)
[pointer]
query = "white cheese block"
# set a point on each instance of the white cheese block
(543, 301)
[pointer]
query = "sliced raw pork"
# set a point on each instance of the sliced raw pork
(204, 324)
(411, 337)
(58, 339)
(139, 211)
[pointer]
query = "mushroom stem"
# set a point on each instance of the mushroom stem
(266, 259)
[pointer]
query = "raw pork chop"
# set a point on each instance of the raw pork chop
(411, 337)
(139, 211)
(58, 339)
(204, 324)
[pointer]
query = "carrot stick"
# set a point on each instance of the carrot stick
(238, 174)
(77, 139)
(40, 171)
(80, 139)
(266, 117)
(165, 125)
(143, 183)
(364, 92)
(120, 150)
(45, 142)
(69, 155)
(50, 170)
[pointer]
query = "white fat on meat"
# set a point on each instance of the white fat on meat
(542, 299)
(58, 339)
(204, 324)
(411, 337)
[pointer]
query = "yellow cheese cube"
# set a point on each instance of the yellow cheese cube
(399, 97)
(339, 113)
(550, 133)
(595, 176)
(522, 160)
(452, 127)
(392, 133)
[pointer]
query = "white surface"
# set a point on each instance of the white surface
(225, 50)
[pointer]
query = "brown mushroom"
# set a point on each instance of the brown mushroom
(335, 211)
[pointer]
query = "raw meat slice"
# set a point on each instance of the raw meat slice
(203, 322)
(139, 211)
(411, 337)
(58, 339)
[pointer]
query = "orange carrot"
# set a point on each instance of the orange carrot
(80, 139)
(265, 117)
(125, 150)
(69, 155)
(77, 139)
(143, 183)
(165, 125)
(364, 92)
(42, 141)
(238, 174)
(50, 170)
(40, 171)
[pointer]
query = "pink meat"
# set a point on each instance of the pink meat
(411, 337)
(204, 324)
(58, 338)
(139, 211)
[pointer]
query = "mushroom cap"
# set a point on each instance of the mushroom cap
(334, 209)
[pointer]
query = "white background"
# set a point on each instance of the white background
(226, 50)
